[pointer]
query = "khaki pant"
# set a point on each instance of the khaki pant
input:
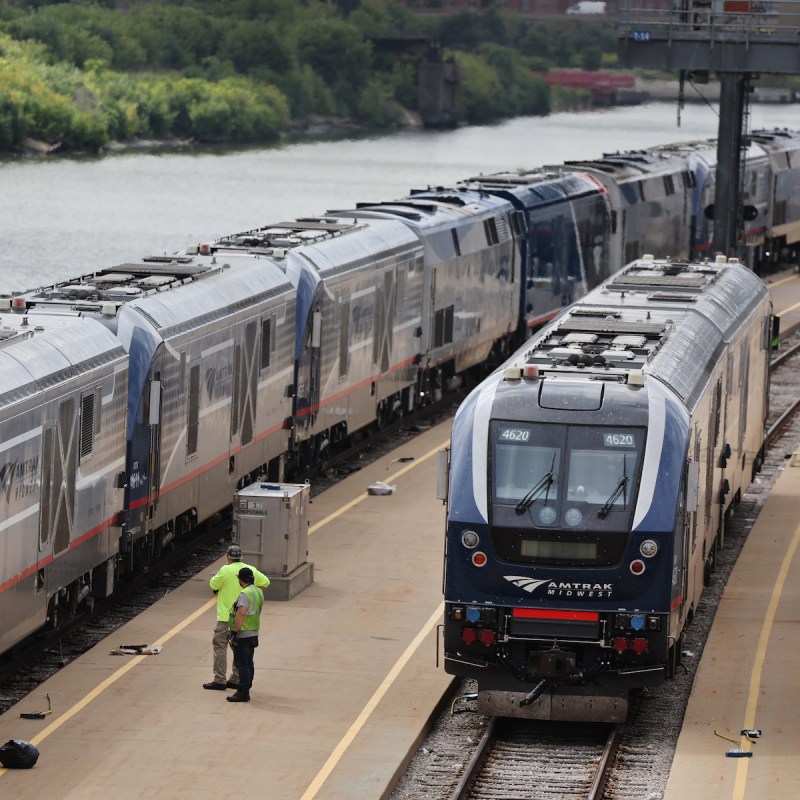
(221, 650)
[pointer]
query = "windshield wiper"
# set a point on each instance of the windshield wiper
(545, 482)
(620, 489)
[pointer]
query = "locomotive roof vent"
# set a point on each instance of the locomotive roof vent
(566, 395)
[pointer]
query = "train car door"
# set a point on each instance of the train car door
(60, 463)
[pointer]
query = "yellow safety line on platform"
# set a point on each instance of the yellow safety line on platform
(787, 279)
(361, 497)
(787, 310)
(372, 703)
(758, 665)
(114, 677)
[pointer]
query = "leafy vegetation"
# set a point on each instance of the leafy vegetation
(84, 73)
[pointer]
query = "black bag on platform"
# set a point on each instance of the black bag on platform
(16, 754)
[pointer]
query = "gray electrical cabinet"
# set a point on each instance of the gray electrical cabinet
(270, 524)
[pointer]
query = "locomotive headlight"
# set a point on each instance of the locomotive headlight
(547, 515)
(648, 548)
(573, 517)
(470, 539)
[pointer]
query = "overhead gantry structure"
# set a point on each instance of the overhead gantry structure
(735, 39)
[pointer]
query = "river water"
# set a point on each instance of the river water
(64, 216)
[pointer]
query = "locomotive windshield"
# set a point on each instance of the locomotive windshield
(563, 494)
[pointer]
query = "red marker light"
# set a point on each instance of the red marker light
(479, 558)
(637, 567)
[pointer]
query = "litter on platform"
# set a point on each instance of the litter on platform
(379, 487)
(136, 650)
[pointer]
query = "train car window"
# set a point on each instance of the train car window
(744, 377)
(456, 243)
(266, 344)
(563, 494)
(400, 289)
(448, 324)
(490, 228)
(344, 337)
(443, 321)
(235, 388)
(669, 186)
(193, 421)
(519, 224)
(379, 320)
(522, 455)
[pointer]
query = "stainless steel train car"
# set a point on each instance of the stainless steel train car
(589, 481)
(782, 222)
(359, 292)
(649, 193)
(63, 400)
(473, 273)
(565, 246)
(211, 360)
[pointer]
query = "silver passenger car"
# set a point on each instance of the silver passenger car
(63, 394)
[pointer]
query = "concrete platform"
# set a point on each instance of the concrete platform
(749, 675)
(345, 674)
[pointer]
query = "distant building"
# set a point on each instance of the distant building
(533, 8)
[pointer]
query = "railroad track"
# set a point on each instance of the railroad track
(528, 760)
(788, 409)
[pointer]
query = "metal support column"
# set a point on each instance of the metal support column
(728, 198)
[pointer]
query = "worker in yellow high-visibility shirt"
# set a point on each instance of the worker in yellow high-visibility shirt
(226, 585)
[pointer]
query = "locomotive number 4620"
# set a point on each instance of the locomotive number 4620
(515, 434)
(618, 440)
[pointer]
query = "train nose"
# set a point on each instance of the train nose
(553, 663)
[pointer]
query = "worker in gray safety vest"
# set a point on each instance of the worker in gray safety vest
(245, 621)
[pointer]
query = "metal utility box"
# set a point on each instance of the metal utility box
(270, 524)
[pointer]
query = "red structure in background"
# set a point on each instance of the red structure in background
(605, 87)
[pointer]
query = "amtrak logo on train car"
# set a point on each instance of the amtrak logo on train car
(19, 479)
(219, 381)
(363, 320)
(562, 588)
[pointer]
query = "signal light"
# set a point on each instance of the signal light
(530, 371)
(637, 566)
(479, 559)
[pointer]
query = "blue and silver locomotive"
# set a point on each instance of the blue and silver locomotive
(589, 481)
